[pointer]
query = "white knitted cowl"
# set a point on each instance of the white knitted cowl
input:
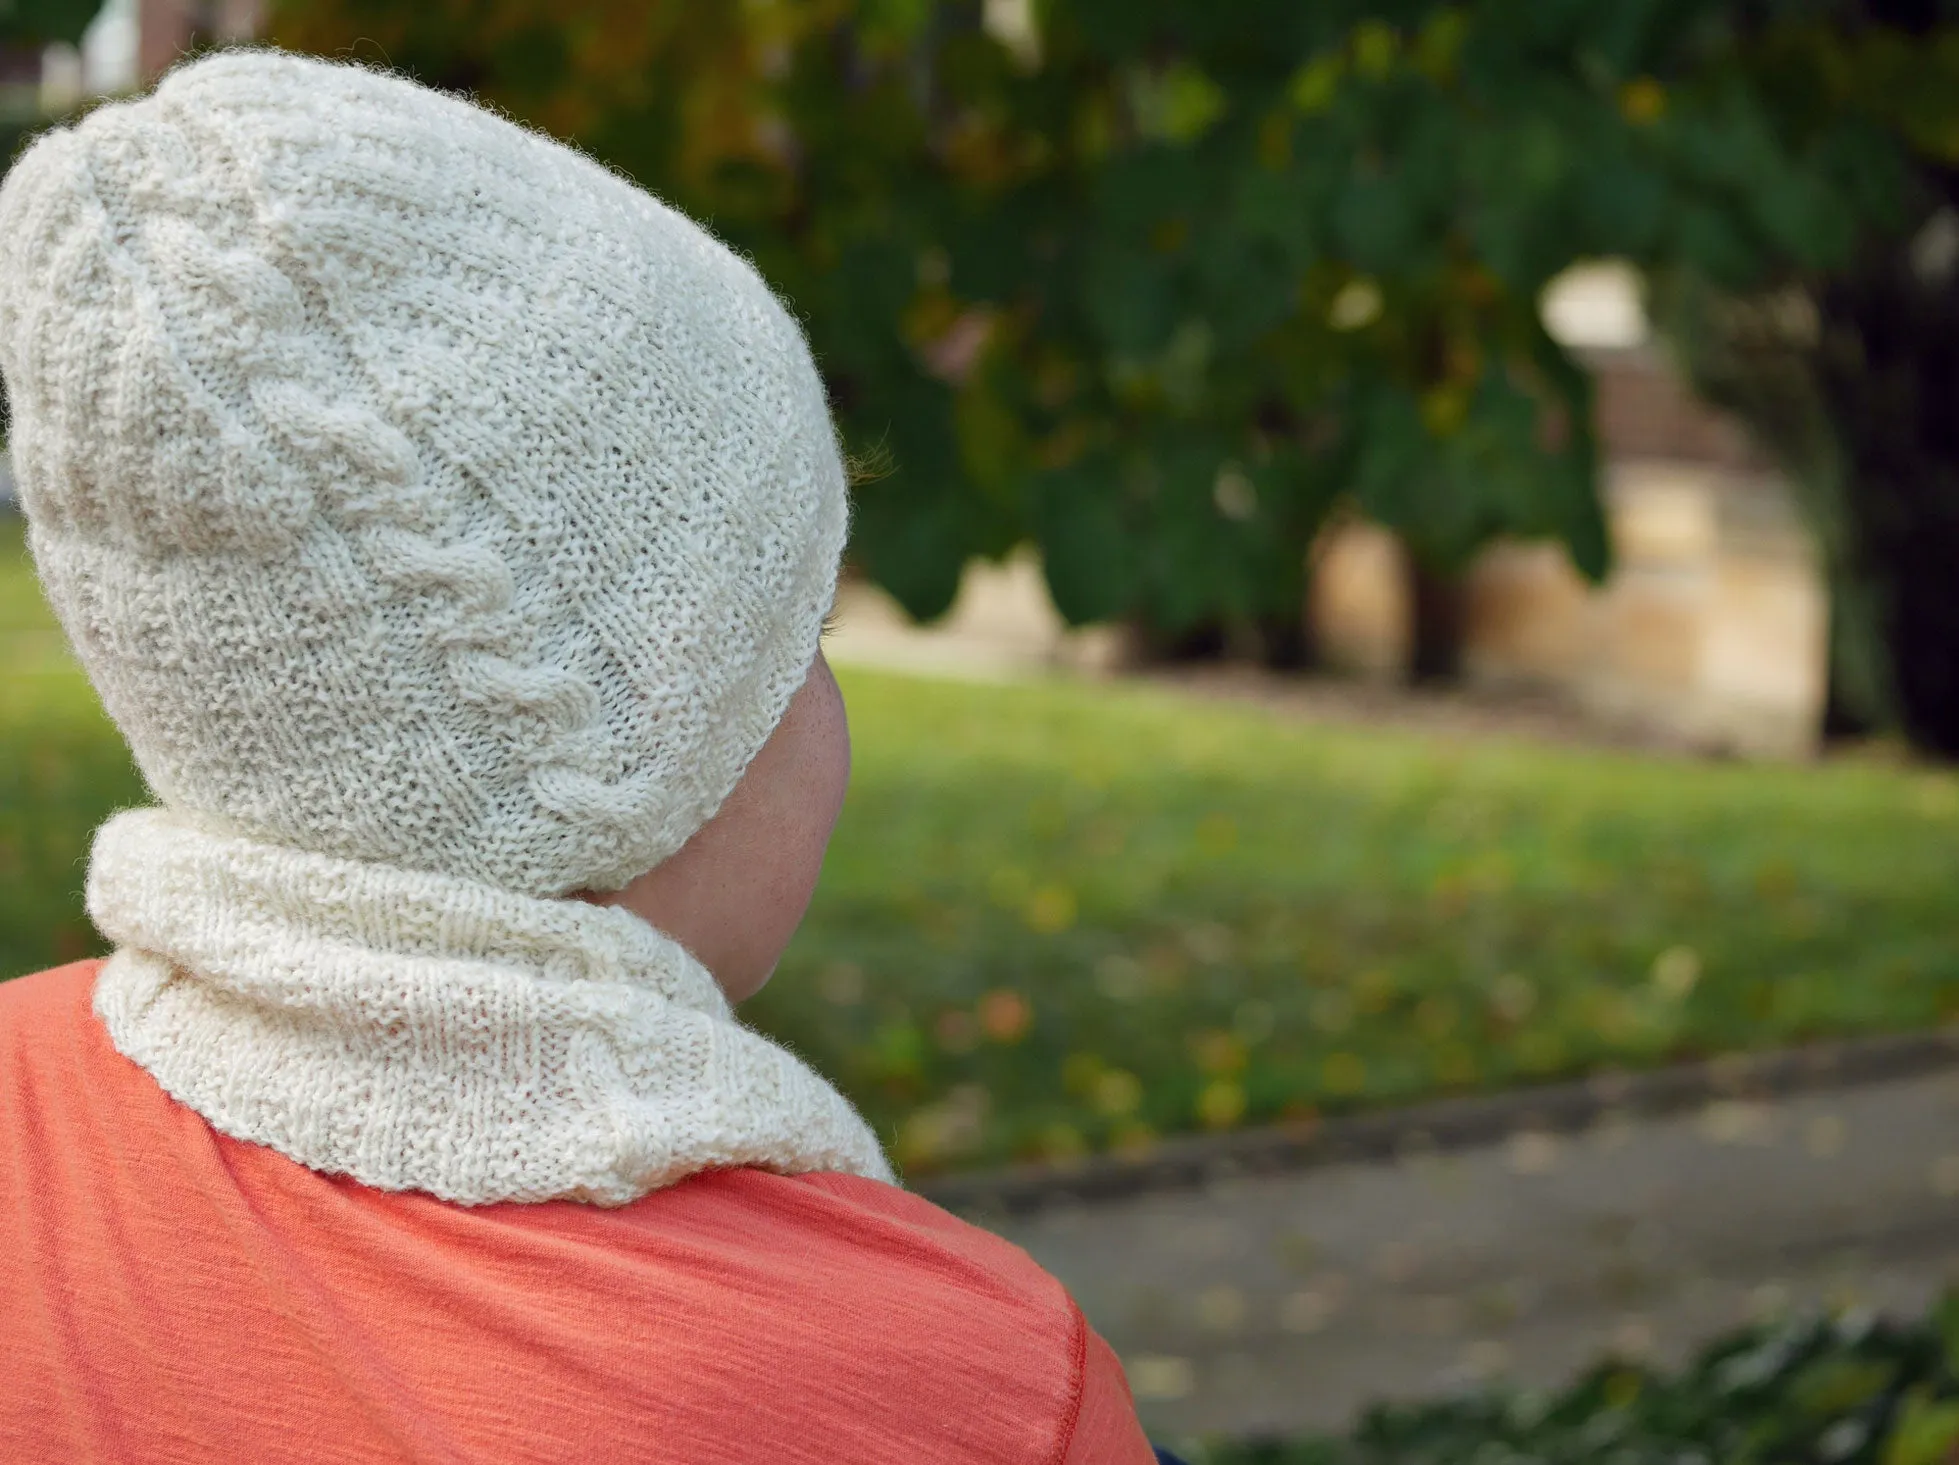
(419, 1032)
(447, 524)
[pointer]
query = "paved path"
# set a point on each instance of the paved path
(1281, 1300)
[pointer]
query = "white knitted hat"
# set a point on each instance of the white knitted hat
(413, 489)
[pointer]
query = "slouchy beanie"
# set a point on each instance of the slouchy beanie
(447, 524)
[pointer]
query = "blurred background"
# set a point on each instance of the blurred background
(1408, 555)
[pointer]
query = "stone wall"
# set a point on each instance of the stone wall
(1713, 626)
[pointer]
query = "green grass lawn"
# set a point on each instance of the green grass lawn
(1064, 917)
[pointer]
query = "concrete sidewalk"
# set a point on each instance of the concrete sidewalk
(1289, 1299)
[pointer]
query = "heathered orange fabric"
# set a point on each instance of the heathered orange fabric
(169, 1294)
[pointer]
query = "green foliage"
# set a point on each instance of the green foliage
(27, 27)
(1847, 373)
(41, 22)
(1061, 917)
(1158, 285)
(1811, 1391)
(63, 770)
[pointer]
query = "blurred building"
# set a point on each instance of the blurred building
(130, 43)
(168, 28)
(1713, 627)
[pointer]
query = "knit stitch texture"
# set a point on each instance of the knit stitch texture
(420, 1032)
(412, 488)
(447, 524)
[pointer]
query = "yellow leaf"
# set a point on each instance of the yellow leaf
(1079, 1071)
(1221, 1104)
(1437, 47)
(1051, 911)
(1343, 1073)
(1315, 85)
(1443, 410)
(1133, 1138)
(1622, 1387)
(1642, 100)
(1675, 971)
(1117, 1092)
(1357, 305)
(1061, 1142)
(1925, 1435)
(1375, 45)
(1374, 990)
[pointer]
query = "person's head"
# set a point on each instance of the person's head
(737, 890)
(416, 491)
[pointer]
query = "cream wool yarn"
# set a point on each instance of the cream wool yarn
(446, 523)
(419, 1032)
(412, 488)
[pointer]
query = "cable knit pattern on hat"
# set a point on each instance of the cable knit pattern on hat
(419, 1032)
(413, 489)
(447, 524)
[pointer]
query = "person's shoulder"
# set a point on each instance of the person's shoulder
(58, 995)
(891, 1227)
(48, 1036)
(865, 1270)
(888, 1293)
(1075, 1380)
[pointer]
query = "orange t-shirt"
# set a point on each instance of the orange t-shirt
(170, 1294)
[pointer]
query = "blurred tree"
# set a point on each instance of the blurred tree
(1851, 374)
(27, 29)
(1157, 285)
(40, 23)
